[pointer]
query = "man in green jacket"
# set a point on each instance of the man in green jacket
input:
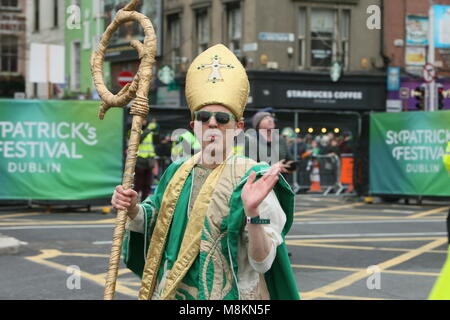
(215, 227)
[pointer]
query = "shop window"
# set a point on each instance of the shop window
(202, 30)
(327, 33)
(322, 37)
(345, 36)
(302, 38)
(234, 27)
(55, 13)
(8, 53)
(37, 15)
(76, 66)
(174, 39)
(9, 3)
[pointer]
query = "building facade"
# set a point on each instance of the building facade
(45, 25)
(12, 47)
(85, 23)
(406, 27)
(284, 43)
(285, 35)
(120, 55)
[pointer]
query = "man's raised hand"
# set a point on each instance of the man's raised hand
(254, 193)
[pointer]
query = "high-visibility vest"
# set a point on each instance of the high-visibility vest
(177, 146)
(146, 148)
(192, 140)
(446, 158)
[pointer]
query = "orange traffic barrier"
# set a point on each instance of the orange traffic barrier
(347, 172)
(315, 179)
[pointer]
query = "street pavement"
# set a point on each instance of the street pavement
(353, 250)
(341, 248)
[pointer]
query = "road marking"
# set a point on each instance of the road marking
(112, 221)
(19, 215)
(398, 211)
(119, 273)
(335, 246)
(352, 235)
(364, 240)
(59, 227)
(371, 210)
(339, 217)
(90, 255)
(368, 221)
(302, 213)
(307, 296)
(357, 276)
(304, 266)
(101, 242)
(428, 212)
(98, 279)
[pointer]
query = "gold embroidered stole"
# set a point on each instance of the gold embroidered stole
(191, 240)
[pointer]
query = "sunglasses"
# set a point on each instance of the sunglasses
(221, 117)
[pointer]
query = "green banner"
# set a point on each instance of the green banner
(406, 153)
(59, 150)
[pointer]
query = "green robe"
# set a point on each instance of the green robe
(280, 279)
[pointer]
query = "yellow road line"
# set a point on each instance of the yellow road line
(19, 215)
(402, 272)
(302, 213)
(311, 295)
(55, 222)
(119, 273)
(351, 279)
(428, 212)
(131, 283)
(325, 267)
(350, 217)
(356, 247)
(90, 255)
(99, 279)
(363, 240)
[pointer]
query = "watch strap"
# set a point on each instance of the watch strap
(257, 220)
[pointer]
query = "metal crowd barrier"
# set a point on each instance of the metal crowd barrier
(321, 174)
(330, 173)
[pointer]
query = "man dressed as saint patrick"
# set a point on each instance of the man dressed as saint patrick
(215, 227)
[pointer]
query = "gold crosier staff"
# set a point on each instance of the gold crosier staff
(137, 90)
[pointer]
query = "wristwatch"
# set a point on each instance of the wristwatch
(257, 220)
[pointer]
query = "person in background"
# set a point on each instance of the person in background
(163, 151)
(145, 161)
(347, 144)
(264, 124)
(324, 146)
(301, 147)
(334, 147)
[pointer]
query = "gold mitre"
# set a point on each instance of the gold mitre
(216, 76)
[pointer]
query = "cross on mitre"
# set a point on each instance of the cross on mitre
(215, 69)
